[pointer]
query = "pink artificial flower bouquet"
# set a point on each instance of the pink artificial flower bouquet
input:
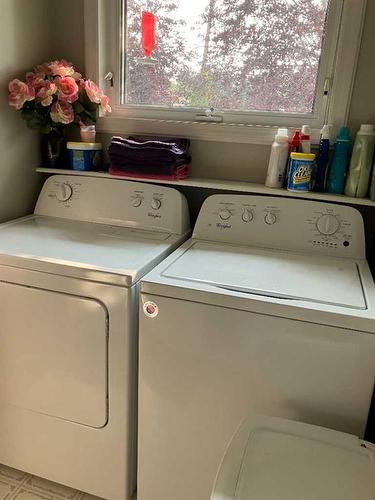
(54, 94)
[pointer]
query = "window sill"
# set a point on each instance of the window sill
(203, 131)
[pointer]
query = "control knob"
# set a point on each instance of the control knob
(327, 224)
(225, 214)
(155, 203)
(137, 202)
(247, 215)
(64, 192)
(270, 218)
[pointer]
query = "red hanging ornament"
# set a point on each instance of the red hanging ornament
(148, 33)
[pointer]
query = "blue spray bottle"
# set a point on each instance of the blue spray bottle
(322, 159)
(340, 162)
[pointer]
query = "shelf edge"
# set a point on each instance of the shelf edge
(224, 185)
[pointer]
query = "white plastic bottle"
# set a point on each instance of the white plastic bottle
(306, 139)
(278, 160)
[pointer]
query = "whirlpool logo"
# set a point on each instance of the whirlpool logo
(223, 225)
(154, 216)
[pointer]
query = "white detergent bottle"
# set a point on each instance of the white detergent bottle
(278, 160)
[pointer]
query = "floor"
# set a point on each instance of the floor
(15, 484)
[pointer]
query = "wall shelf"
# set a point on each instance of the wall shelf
(223, 185)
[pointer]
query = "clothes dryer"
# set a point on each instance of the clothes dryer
(69, 278)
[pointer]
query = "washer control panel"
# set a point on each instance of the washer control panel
(115, 202)
(282, 223)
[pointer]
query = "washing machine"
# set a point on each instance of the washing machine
(268, 308)
(69, 278)
(276, 459)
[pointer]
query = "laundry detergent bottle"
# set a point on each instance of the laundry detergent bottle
(340, 162)
(357, 182)
(372, 183)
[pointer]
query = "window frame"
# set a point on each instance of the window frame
(103, 20)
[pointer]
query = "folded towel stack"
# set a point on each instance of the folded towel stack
(156, 158)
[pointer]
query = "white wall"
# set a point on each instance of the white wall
(68, 36)
(24, 41)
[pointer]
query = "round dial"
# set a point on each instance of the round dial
(327, 224)
(247, 215)
(64, 192)
(155, 203)
(225, 214)
(137, 202)
(270, 218)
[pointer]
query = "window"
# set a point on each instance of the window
(231, 55)
(245, 64)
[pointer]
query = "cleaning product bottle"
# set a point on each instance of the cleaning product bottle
(322, 159)
(340, 162)
(295, 142)
(294, 147)
(360, 164)
(278, 160)
(306, 139)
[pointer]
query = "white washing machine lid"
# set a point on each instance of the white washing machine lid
(276, 459)
(271, 273)
(100, 252)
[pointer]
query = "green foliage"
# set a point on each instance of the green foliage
(37, 117)
(85, 111)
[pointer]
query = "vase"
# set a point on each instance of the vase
(53, 149)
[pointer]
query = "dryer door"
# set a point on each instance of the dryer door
(53, 354)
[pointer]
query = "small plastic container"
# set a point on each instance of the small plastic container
(85, 156)
(301, 170)
(88, 133)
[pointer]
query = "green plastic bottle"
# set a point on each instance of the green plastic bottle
(372, 183)
(357, 182)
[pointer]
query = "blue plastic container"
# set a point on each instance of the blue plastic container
(340, 162)
(85, 156)
(301, 169)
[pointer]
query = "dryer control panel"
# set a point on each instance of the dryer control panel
(115, 202)
(282, 223)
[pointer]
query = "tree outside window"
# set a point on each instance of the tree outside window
(239, 55)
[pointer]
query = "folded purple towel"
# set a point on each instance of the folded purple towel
(149, 155)
(173, 145)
